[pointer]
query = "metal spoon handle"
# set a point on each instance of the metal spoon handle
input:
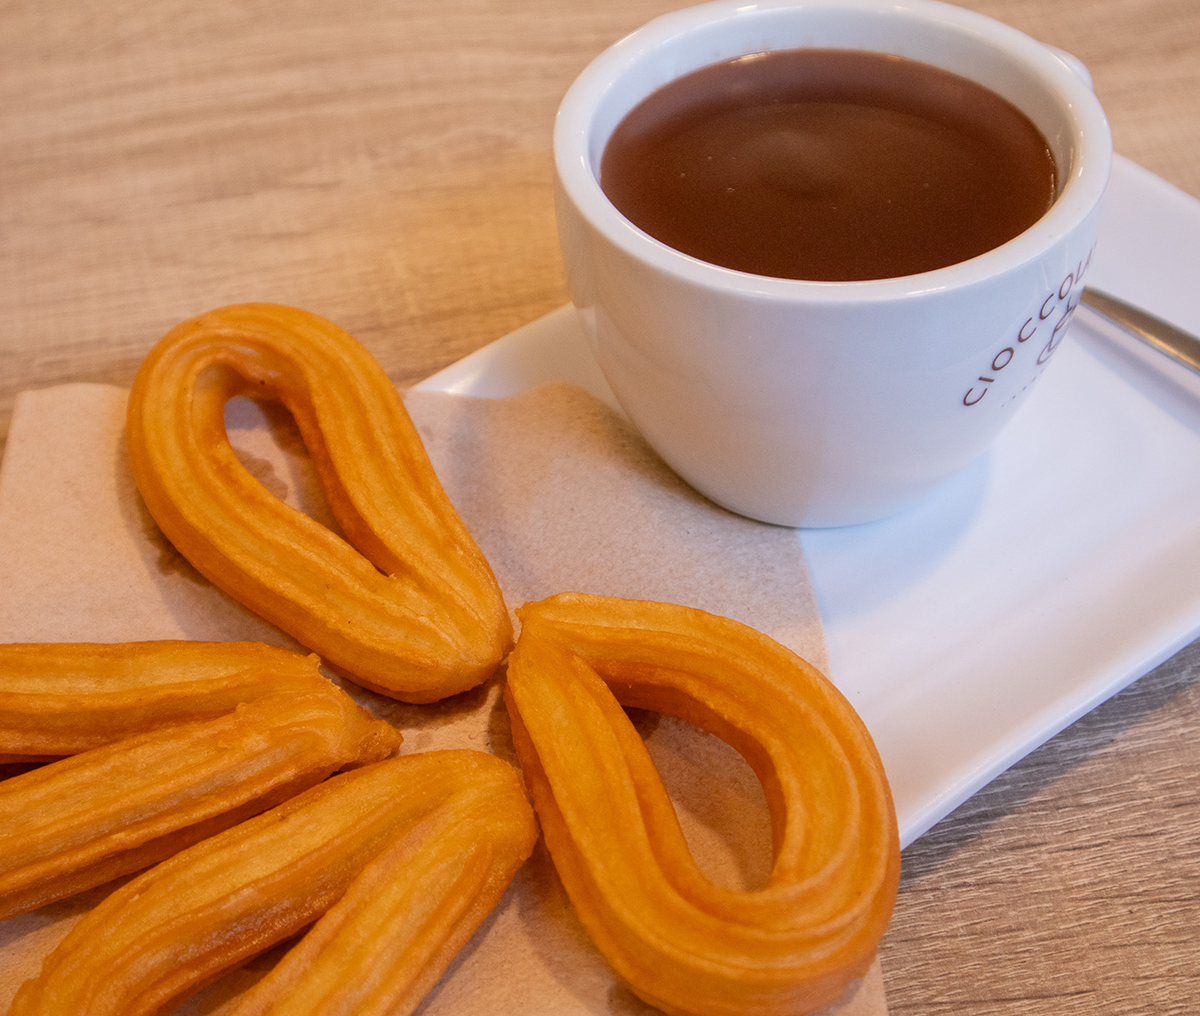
(1181, 346)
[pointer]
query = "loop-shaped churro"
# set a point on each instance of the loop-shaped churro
(87, 819)
(61, 698)
(417, 849)
(408, 607)
(682, 943)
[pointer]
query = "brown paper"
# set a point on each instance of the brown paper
(560, 493)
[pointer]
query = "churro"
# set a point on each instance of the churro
(90, 818)
(417, 849)
(682, 943)
(61, 698)
(406, 604)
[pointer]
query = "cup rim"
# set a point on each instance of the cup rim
(1079, 196)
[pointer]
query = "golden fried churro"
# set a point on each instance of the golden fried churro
(87, 819)
(384, 944)
(409, 607)
(63, 698)
(682, 943)
(418, 849)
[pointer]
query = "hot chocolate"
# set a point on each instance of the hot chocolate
(827, 164)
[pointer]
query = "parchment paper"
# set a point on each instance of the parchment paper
(561, 494)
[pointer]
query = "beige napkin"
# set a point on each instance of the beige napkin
(560, 493)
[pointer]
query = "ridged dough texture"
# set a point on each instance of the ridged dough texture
(61, 698)
(112, 810)
(404, 859)
(408, 606)
(682, 943)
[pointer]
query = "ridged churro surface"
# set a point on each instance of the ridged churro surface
(684, 944)
(116, 809)
(417, 849)
(406, 604)
(383, 945)
(61, 698)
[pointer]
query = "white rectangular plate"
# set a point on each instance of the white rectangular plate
(1059, 567)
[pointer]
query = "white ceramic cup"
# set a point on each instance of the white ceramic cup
(824, 403)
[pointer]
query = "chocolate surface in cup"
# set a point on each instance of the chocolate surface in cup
(828, 165)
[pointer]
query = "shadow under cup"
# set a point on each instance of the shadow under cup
(825, 403)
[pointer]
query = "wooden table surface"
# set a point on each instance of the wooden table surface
(386, 163)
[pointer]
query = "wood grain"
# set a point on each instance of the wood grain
(1071, 884)
(387, 163)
